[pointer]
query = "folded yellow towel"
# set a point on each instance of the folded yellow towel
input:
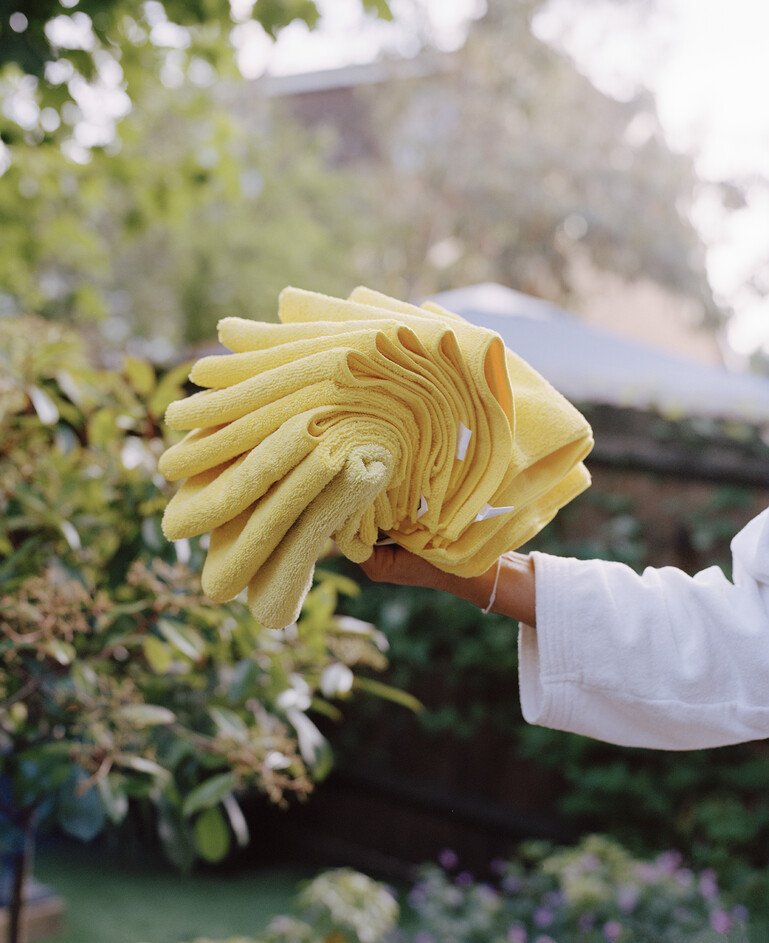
(360, 419)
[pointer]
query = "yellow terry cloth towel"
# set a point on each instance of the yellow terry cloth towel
(363, 419)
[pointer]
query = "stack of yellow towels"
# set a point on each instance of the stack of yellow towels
(363, 420)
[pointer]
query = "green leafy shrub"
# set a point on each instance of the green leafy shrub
(341, 906)
(119, 682)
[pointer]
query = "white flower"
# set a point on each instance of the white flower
(336, 680)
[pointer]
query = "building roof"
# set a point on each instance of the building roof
(351, 76)
(591, 365)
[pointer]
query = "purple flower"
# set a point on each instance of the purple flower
(720, 921)
(627, 898)
(417, 895)
(668, 861)
(510, 883)
(543, 917)
(424, 937)
(448, 859)
(464, 879)
(487, 897)
(590, 862)
(646, 873)
(740, 913)
(708, 884)
(517, 934)
(612, 930)
(452, 897)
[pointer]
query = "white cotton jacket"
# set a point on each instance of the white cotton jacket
(661, 660)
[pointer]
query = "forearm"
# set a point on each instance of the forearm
(515, 587)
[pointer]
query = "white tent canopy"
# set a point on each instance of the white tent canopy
(590, 365)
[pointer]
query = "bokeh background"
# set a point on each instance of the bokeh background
(588, 177)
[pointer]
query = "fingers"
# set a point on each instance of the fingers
(396, 565)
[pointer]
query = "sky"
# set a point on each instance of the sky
(705, 61)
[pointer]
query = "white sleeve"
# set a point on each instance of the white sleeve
(660, 660)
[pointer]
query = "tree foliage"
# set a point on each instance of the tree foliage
(195, 217)
(509, 165)
(505, 165)
(70, 72)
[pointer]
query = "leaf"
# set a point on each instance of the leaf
(313, 746)
(169, 388)
(45, 407)
(101, 427)
(328, 710)
(113, 798)
(182, 638)
(175, 835)
(228, 723)
(159, 655)
(389, 693)
(324, 762)
(342, 584)
(65, 439)
(319, 606)
(68, 385)
(238, 822)
(379, 7)
(244, 681)
(70, 534)
(142, 765)
(152, 534)
(209, 793)
(83, 816)
(274, 14)
(212, 837)
(146, 715)
(141, 375)
(62, 652)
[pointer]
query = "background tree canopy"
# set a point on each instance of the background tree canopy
(28, 35)
(54, 53)
(177, 192)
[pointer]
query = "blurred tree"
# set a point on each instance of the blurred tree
(511, 166)
(55, 52)
(189, 217)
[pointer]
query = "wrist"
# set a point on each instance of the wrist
(513, 578)
(475, 589)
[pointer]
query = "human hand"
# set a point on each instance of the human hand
(393, 564)
(514, 580)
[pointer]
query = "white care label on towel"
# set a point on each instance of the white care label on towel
(488, 511)
(463, 440)
(422, 509)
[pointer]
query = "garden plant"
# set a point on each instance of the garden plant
(119, 683)
(595, 892)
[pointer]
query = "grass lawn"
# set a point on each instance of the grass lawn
(109, 901)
